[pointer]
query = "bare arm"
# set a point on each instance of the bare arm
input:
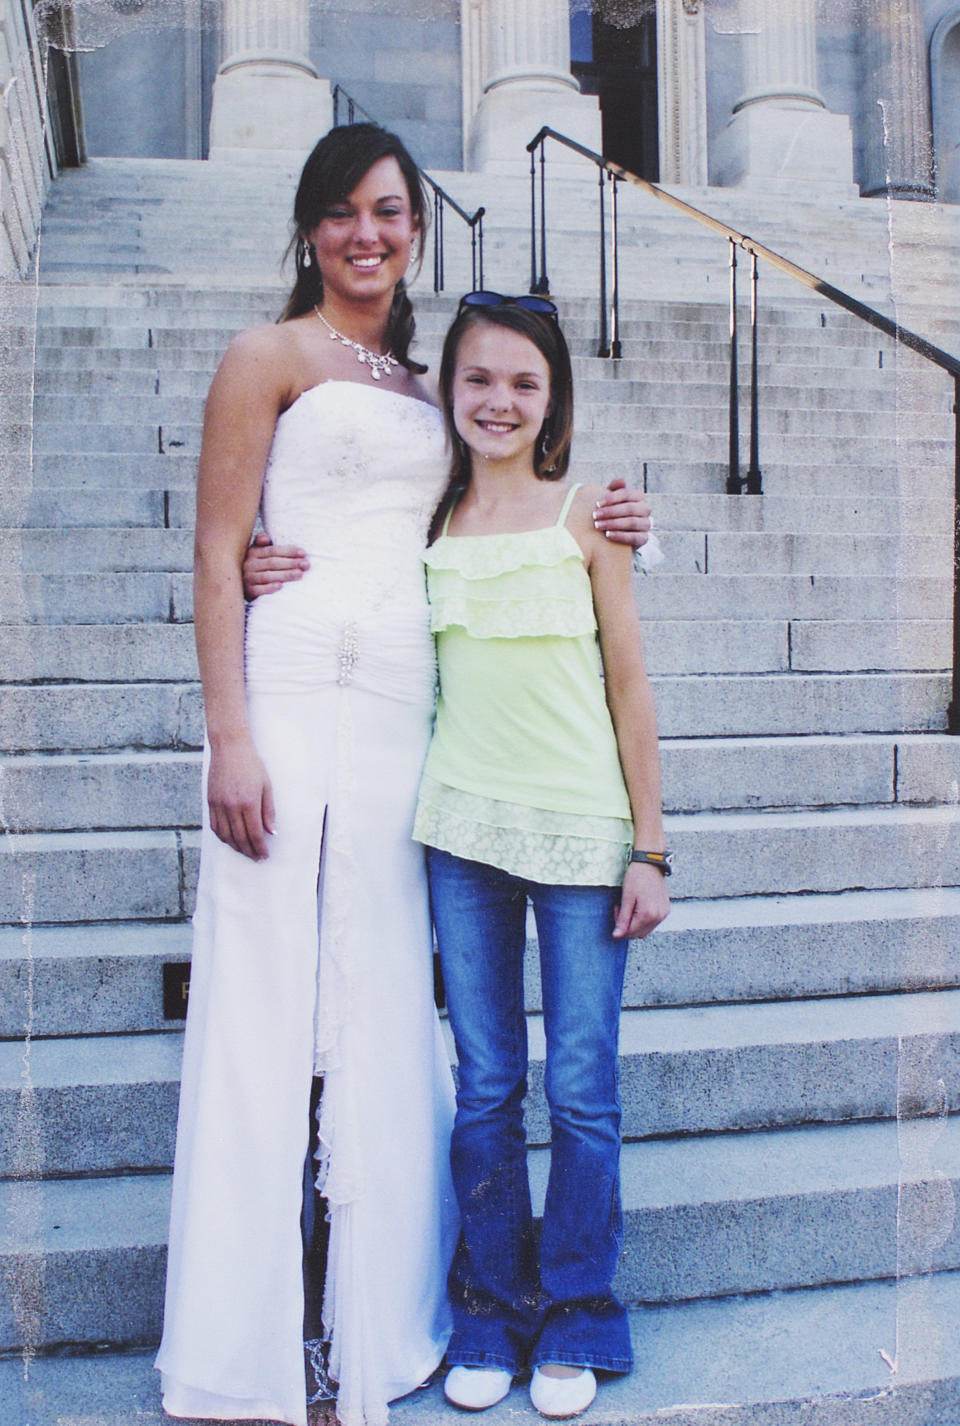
(241, 411)
(644, 899)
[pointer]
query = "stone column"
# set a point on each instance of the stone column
(682, 91)
(266, 96)
(898, 154)
(781, 132)
(527, 83)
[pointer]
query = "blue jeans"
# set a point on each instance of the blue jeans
(511, 1306)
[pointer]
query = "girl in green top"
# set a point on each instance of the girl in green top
(542, 783)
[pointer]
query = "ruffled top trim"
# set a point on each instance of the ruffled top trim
(486, 556)
(527, 584)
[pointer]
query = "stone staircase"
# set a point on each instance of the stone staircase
(789, 1037)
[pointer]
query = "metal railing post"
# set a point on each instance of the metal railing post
(603, 350)
(543, 283)
(734, 483)
(754, 475)
(615, 348)
(953, 712)
(533, 221)
(479, 222)
(436, 242)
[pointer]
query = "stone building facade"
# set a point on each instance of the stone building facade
(838, 96)
(725, 92)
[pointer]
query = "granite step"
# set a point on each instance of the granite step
(704, 1217)
(89, 713)
(106, 979)
(718, 1363)
(108, 1104)
(58, 791)
(129, 876)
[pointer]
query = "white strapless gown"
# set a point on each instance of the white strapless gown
(304, 966)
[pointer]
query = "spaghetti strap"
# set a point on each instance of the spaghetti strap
(446, 523)
(565, 508)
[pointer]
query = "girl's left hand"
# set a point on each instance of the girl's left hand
(644, 901)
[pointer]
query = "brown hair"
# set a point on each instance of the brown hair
(552, 451)
(331, 173)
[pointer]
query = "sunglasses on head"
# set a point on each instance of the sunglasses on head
(498, 299)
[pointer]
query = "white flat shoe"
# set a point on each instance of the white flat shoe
(476, 1388)
(560, 1396)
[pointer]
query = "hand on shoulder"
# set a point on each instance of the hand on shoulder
(593, 541)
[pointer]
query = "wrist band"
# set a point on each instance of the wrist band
(663, 861)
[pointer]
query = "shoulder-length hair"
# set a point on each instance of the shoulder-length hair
(552, 452)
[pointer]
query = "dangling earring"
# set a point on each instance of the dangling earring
(305, 259)
(544, 448)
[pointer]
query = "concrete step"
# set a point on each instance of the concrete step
(96, 653)
(57, 791)
(599, 407)
(102, 979)
(127, 598)
(95, 716)
(704, 1216)
(96, 876)
(100, 716)
(108, 1104)
(692, 705)
(636, 378)
(93, 506)
(130, 876)
(107, 548)
(94, 979)
(103, 550)
(57, 510)
(129, 790)
(158, 596)
(667, 432)
(717, 1363)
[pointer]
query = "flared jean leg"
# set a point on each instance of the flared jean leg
(480, 918)
(582, 969)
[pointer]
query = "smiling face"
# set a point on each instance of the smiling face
(363, 243)
(500, 393)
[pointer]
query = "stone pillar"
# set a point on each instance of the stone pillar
(682, 91)
(527, 83)
(898, 154)
(266, 96)
(781, 132)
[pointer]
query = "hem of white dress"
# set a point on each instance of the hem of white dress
(184, 1401)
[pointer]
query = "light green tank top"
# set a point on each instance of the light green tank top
(523, 770)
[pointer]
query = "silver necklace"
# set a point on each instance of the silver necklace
(378, 364)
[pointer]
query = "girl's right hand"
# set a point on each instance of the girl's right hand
(268, 567)
(240, 800)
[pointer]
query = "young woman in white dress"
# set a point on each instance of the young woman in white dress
(312, 947)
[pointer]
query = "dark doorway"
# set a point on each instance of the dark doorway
(614, 55)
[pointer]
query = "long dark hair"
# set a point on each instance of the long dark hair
(331, 173)
(552, 451)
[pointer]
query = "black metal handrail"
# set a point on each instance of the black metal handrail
(441, 200)
(752, 483)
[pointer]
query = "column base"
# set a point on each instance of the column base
(510, 115)
(268, 108)
(773, 147)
